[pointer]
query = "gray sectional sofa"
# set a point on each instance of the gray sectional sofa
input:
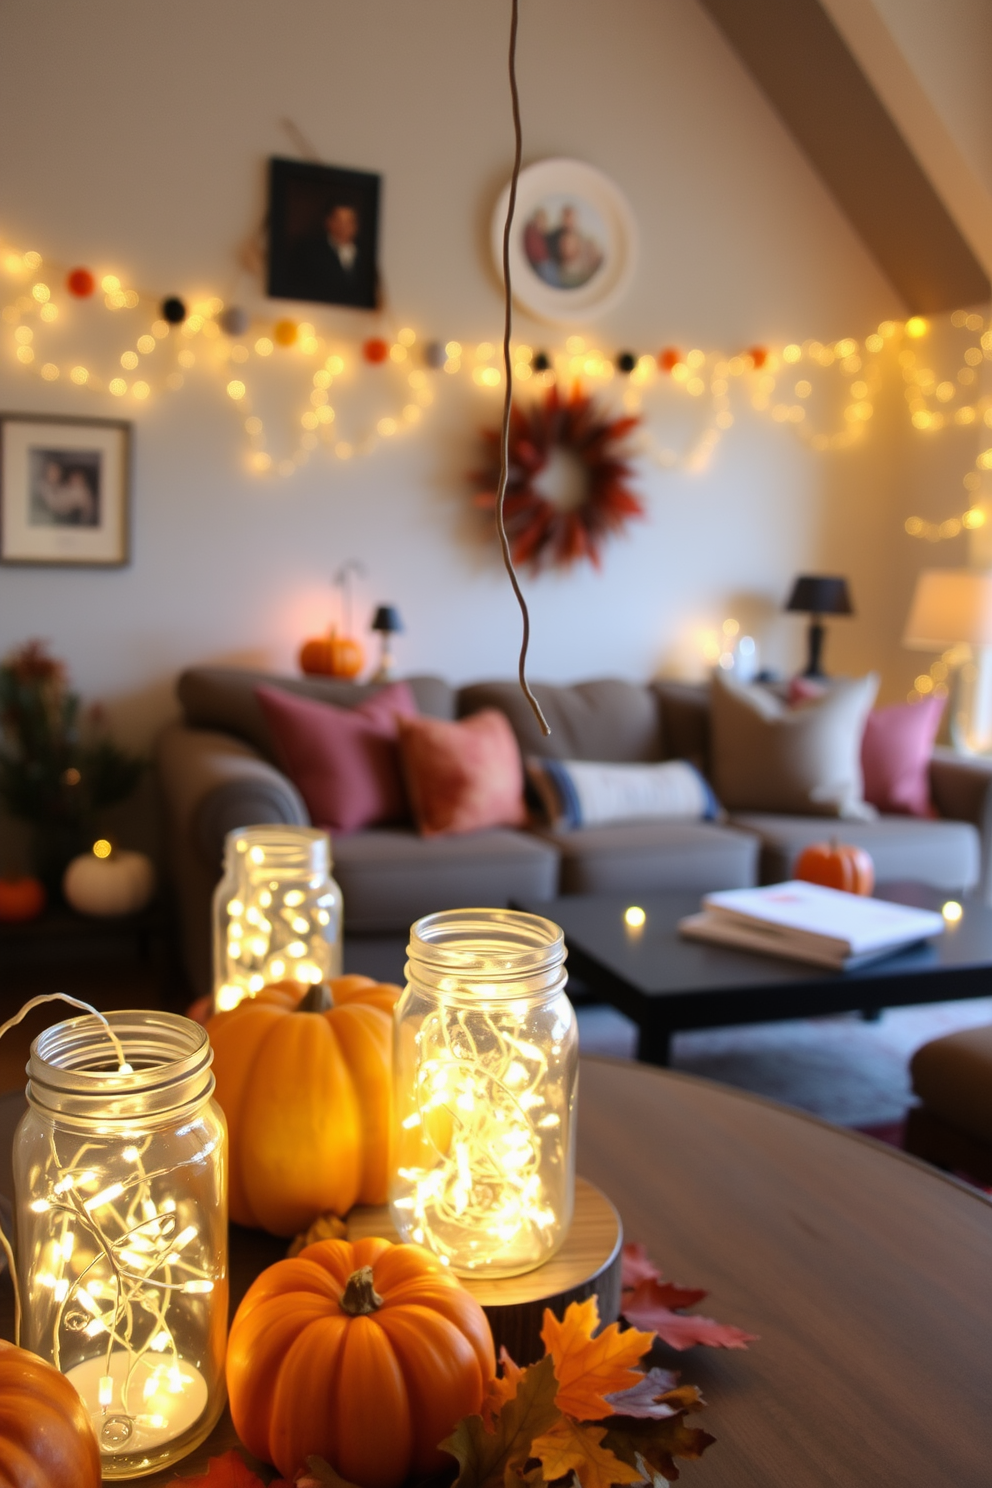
(218, 771)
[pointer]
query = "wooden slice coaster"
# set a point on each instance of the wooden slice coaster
(588, 1264)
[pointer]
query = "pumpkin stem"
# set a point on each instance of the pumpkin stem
(360, 1297)
(317, 1000)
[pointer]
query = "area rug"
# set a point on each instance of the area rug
(841, 1068)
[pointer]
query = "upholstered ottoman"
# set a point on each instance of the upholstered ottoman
(953, 1126)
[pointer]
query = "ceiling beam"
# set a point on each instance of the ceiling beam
(803, 65)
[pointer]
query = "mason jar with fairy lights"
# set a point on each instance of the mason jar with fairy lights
(120, 1174)
(485, 1083)
(277, 912)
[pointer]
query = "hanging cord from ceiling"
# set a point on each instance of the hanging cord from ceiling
(504, 452)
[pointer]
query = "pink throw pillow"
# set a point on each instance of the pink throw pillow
(463, 776)
(343, 761)
(895, 756)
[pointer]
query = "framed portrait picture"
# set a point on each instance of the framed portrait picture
(323, 234)
(64, 490)
(573, 245)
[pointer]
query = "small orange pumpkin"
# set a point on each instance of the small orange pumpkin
(304, 1078)
(837, 865)
(332, 655)
(367, 1355)
(21, 898)
(46, 1437)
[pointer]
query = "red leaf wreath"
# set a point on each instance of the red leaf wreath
(540, 532)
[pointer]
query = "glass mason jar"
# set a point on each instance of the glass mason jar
(277, 912)
(485, 1081)
(120, 1176)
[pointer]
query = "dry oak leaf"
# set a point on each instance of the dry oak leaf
(571, 1447)
(229, 1471)
(654, 1397)
(486, 1457)
(654, 1445)
(318, 1474)
(587, 1368)
(502, 1387)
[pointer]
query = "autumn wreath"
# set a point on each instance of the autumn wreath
(541, 531)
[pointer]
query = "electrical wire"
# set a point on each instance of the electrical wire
(504, 452)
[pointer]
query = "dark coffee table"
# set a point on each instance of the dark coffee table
(666, 984)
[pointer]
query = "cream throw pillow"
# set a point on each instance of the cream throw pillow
(804, 760)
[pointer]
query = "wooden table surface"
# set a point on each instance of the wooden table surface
(867, 1275)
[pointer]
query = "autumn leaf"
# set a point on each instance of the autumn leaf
(650, 1305)
(587, 1368)
(635, 1266)
(502, 1388)
(228, 1471)
(656, 1444)
(570, 1447)
(485, 1457)
(319, 1474)
(651, 1398)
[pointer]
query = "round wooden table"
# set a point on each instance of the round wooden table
(867, 1275)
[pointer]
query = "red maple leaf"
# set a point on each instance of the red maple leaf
(229, 1471)
(650, 1302)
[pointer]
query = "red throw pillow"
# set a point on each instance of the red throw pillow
(464, 776)
(895, 756)
(343, 761)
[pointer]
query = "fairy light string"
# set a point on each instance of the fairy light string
(824, 392)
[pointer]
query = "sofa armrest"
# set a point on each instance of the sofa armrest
(213, 783)
(961, 788)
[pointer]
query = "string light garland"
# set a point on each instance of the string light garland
(824, 392)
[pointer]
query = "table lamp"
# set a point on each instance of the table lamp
(952, 611)
(815, 595)
(388, 623)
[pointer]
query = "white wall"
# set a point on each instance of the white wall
(143, 152)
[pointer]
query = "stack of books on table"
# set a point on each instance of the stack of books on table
(806, 922)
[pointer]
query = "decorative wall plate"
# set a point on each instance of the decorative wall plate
(573, 245)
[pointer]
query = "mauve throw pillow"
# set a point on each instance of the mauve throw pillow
(343, 761)
(895, 756)
(463, 776)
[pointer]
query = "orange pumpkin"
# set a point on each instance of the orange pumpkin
(366, 1355)
(332, 655)
(21, 898)
(46, 1438)
(837, 865)
(305, 1081)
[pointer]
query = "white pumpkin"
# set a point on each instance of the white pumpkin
(109, 881)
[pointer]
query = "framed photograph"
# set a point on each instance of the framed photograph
(573, 246)
(64, 490)
(323, 234)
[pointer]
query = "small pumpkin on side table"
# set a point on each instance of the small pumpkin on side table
(837, 865)
(21, 899)
(107, 881)
(367, 1355)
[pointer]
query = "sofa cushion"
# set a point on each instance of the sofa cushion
(895, 756)
(945, 854)
(641, 856)
(767, 756)
(685, 721)
(465, 776)
(604, 720)
(953, 1077)
(224, 698)
(344, 761)
(390, 877)
(583, 793)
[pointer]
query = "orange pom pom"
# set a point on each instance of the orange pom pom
(758, 355)
(80, 282)
(669, 358)
(285, 332)
(375, 349)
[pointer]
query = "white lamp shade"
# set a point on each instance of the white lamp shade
(950, 605)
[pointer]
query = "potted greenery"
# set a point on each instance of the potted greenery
(57, 769)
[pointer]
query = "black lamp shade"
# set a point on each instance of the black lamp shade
(387, 619)
(814, 595)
